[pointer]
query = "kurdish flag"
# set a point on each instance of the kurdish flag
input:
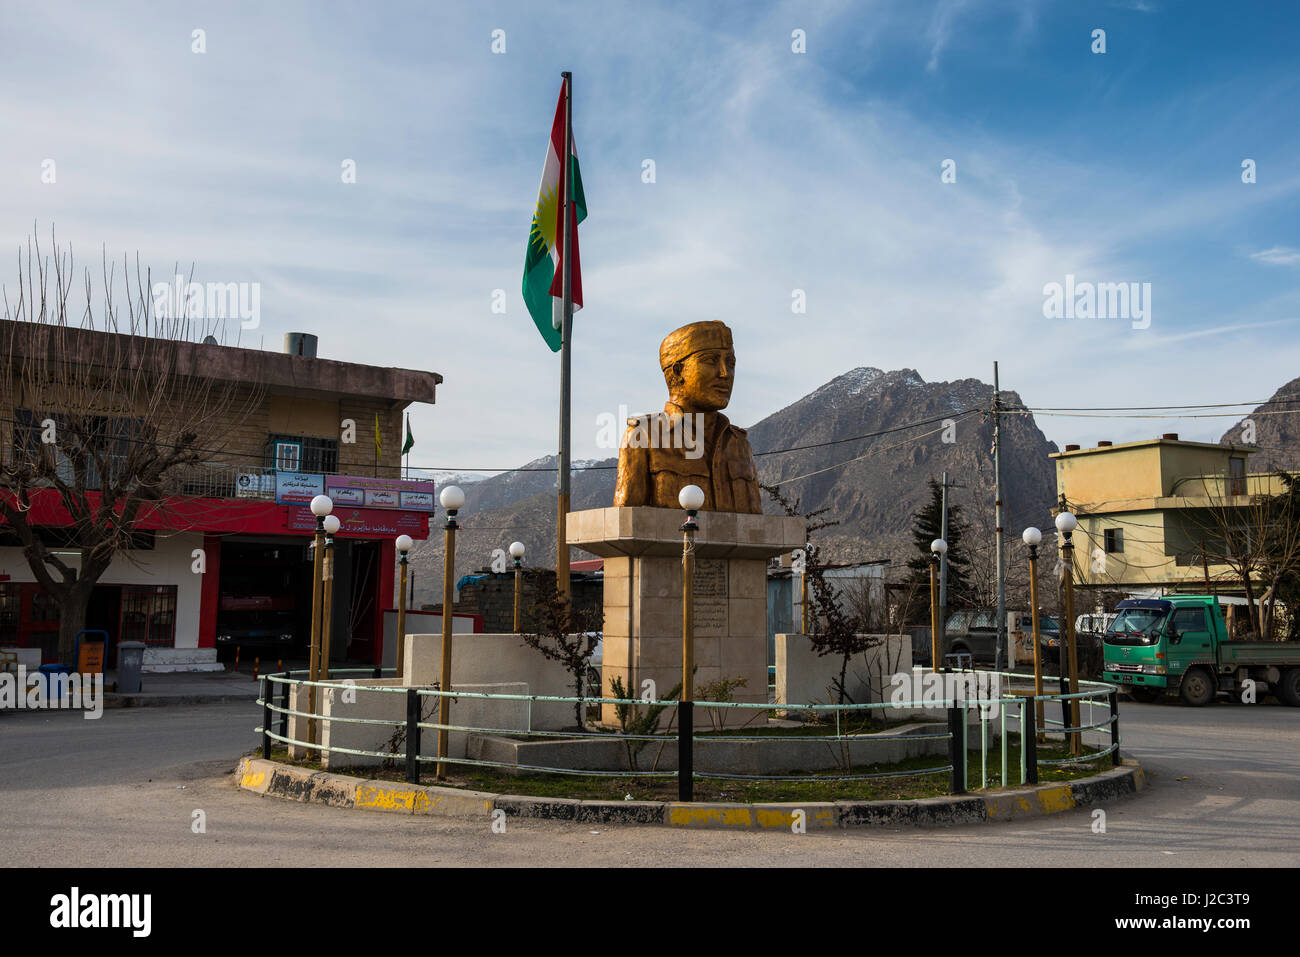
(543, 266)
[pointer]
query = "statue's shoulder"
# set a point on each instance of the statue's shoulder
(633, 421)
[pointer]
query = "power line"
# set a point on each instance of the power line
(261, 458)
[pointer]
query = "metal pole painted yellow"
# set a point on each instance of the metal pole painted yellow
(444, 684)
(934, 616)
(401, 621)
(1038, 662)
(327, 604)
(688, 616)
(1068, 559)
(518, 586)
(313, 666)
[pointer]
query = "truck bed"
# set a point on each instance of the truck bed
(1260, 652)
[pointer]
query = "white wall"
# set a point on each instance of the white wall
(804, 677)
(167, 564)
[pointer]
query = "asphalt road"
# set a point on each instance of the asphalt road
(122, 791)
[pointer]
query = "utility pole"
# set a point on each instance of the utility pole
(997, 520)
(943, 560)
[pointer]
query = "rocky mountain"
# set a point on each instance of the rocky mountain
(1275, 437)
(874, 485)
(862, 445)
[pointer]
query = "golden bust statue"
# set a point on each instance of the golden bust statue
(690, 442)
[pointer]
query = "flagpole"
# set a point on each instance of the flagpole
(566, 334)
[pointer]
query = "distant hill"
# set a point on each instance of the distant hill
(1277, 437)
(872, 485)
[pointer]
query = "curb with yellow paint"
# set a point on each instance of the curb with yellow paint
(338, 790)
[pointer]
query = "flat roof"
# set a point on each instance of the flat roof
(1182, 443)
(276, 371)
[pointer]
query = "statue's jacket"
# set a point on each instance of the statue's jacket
(661, 454)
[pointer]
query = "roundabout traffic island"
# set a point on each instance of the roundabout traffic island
(814, 802)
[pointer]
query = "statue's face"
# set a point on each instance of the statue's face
(704, 381)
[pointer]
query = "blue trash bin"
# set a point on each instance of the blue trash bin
(47, 672)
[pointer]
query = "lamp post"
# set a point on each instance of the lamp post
(404, 544)
(1032, 536)
(690, 498)
(1066, 524)
(803, 593)
(321, 506)
(332, 525)
(517, 553)
(452, 498)
(938, 548)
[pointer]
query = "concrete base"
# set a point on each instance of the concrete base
(171, 660)
(642, 548)
(481, 664)
(718, 754)
(804, 677)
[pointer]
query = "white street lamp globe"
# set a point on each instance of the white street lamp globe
(939, 546)
(452, 498)
(404, 543)
(1032, 535)
(516, 549)
(332, 524)
(322, 505)
(1066, 523)
(691, 498)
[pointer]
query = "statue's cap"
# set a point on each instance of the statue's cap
(693, 338)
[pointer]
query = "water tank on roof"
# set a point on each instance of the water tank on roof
(300, 344)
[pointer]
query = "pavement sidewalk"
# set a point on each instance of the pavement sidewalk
(183, 688)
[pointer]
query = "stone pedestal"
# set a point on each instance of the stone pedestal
(642, 548)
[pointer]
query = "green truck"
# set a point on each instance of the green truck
(1179, 644)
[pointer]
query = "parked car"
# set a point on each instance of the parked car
(1088, 632)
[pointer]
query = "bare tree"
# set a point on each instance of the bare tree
(565, 633)
(836, 629)
(1257, 535)
(106, 410)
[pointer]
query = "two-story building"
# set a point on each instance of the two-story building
(1152, 514)
(226, 558)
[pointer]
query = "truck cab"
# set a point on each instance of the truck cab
(1179, 644)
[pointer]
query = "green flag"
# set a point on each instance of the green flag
(410, 439)
(542, 263)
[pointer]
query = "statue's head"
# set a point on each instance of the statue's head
(699, 366)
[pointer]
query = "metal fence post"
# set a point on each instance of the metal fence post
(284, 709)
(266, 720)
(685, 752)
(956, 751)
(1065, 708)
(1114, 726)
(412, 736)
(378, 673)
(1029, 741)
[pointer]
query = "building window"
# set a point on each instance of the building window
(9, 599)
(89, 439)
(288, 456)
(1237, 476)
(1114, 540)
(45, 607)
(299, 453)
(149, 615)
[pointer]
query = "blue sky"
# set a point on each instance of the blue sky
(775, 171)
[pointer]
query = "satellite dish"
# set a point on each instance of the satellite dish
(209, 340)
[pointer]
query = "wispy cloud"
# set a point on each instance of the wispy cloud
(1278, 256)
(776, 171)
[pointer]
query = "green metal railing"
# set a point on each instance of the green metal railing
(957, 710)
